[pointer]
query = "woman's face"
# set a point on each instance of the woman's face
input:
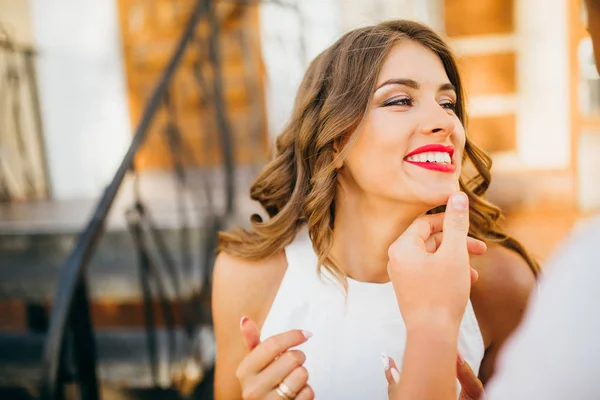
(410, 147)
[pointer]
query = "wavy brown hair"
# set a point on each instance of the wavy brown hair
(298, 186)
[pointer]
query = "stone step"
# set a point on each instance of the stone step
(158, 191)
(31, 264)
(36, 238)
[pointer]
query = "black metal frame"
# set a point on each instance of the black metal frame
(70, 338)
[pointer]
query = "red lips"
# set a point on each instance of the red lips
(436, 148)
(433, 166)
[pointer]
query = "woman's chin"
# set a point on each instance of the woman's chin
(435, 192)
(437, 198)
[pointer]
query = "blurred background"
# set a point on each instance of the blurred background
(130, 131)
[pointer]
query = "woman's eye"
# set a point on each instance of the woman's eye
(448, 105)
(402, 101)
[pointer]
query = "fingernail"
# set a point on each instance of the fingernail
(307, 334)
(459, 201)
(395, 375)
(243, 321)
(460, 358)
(385, 361)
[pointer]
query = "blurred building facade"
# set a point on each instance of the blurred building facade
(533, 96)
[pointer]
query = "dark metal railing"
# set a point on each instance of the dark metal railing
(70, 351)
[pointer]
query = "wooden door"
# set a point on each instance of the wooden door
(489, 68)
(151, 30)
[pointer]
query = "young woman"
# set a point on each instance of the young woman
(376, 139)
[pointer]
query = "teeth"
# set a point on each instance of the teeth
(436, 157)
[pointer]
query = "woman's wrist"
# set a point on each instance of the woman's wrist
(435, 328)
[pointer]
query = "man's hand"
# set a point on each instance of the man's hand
(429, 266)
(471, 386)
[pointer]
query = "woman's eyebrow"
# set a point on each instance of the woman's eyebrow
(414, 84)
(446, 86)
(399, 81)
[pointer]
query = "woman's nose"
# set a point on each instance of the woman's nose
(438, 121)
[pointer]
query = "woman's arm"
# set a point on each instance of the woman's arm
(240, 288)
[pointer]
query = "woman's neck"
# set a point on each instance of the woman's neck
(363, 232)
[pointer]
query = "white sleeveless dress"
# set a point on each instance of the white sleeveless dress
(349, 331)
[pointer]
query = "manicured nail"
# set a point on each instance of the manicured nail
(395, 375)
(461, 359)
(459, 201)
(243, 321)
(307, 334)
(385, 361)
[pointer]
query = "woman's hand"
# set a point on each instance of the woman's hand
(270, 370)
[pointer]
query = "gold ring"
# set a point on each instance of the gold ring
(285, 392)
(282, 395)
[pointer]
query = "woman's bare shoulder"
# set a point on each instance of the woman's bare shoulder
(246, 287)
(505, 279)
(240, 288)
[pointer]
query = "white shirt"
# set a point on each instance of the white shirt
(555, 354)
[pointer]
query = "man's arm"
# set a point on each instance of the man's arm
(430, 347)
(554, 354)
(432, 285)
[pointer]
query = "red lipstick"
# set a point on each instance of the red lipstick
(434, 166)
(436, 148)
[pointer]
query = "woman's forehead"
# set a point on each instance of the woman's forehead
(411, 60)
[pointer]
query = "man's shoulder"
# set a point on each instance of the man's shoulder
(579, 251)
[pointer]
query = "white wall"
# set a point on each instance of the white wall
(82, 93)
(356, 13)
(543, 136)
(288, 47)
